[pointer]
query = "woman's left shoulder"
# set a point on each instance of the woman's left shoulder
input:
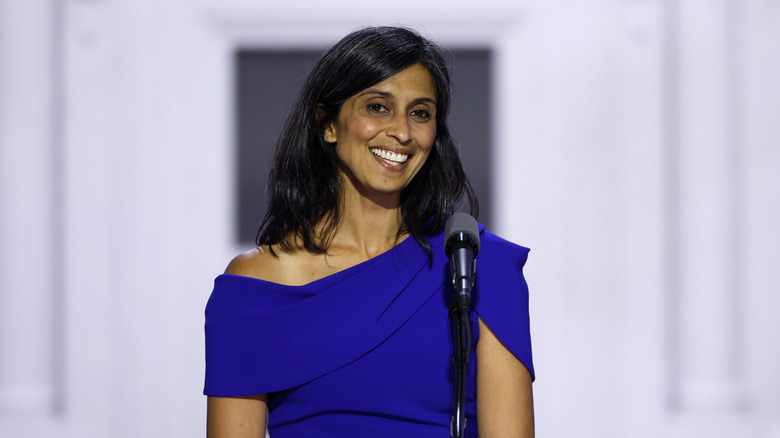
(491, 243)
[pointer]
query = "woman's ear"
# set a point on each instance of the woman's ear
(329, 130)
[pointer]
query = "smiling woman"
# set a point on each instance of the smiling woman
(338, 317)
(306, 178)
(383, 135)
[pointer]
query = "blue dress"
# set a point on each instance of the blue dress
(366, 351)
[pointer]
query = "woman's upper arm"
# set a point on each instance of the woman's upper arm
(505, 405)
(237, 417)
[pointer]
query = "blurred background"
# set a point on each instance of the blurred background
(633, 145)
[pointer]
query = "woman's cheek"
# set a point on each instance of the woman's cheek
(366, 128)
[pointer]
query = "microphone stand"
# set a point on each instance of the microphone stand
(461, 340)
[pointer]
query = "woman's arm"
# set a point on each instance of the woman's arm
(239, 417)
(236, 417)
(505, 406)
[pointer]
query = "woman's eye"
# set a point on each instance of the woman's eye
(421, 114)
(376, 107)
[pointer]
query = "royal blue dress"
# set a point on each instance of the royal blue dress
(366, 351)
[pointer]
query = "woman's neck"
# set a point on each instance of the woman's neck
(366, 226)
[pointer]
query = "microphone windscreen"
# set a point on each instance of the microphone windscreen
(461, 223)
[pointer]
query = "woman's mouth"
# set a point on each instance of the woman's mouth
(390, 157)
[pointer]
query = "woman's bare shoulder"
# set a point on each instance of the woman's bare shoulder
(256, 262)
(276, 266)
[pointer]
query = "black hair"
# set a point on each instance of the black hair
(304, 185)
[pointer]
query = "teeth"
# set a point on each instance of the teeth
(389, 155)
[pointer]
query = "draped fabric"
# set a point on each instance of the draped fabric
(366, 351)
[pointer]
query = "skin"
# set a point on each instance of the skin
(505, 406)
(397, 115)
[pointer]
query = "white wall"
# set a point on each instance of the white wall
(637, 155)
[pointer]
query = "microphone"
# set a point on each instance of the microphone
(462, 245)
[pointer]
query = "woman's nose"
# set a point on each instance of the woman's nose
(399, 129)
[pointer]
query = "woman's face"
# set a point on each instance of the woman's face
(385, 133)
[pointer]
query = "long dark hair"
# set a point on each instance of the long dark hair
(304, 184)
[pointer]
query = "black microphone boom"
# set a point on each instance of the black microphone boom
(462, 245)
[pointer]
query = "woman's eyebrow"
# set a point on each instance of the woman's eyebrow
(376, 91)
(425, 100)
(388, 95)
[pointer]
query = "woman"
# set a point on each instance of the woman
(337, 324)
